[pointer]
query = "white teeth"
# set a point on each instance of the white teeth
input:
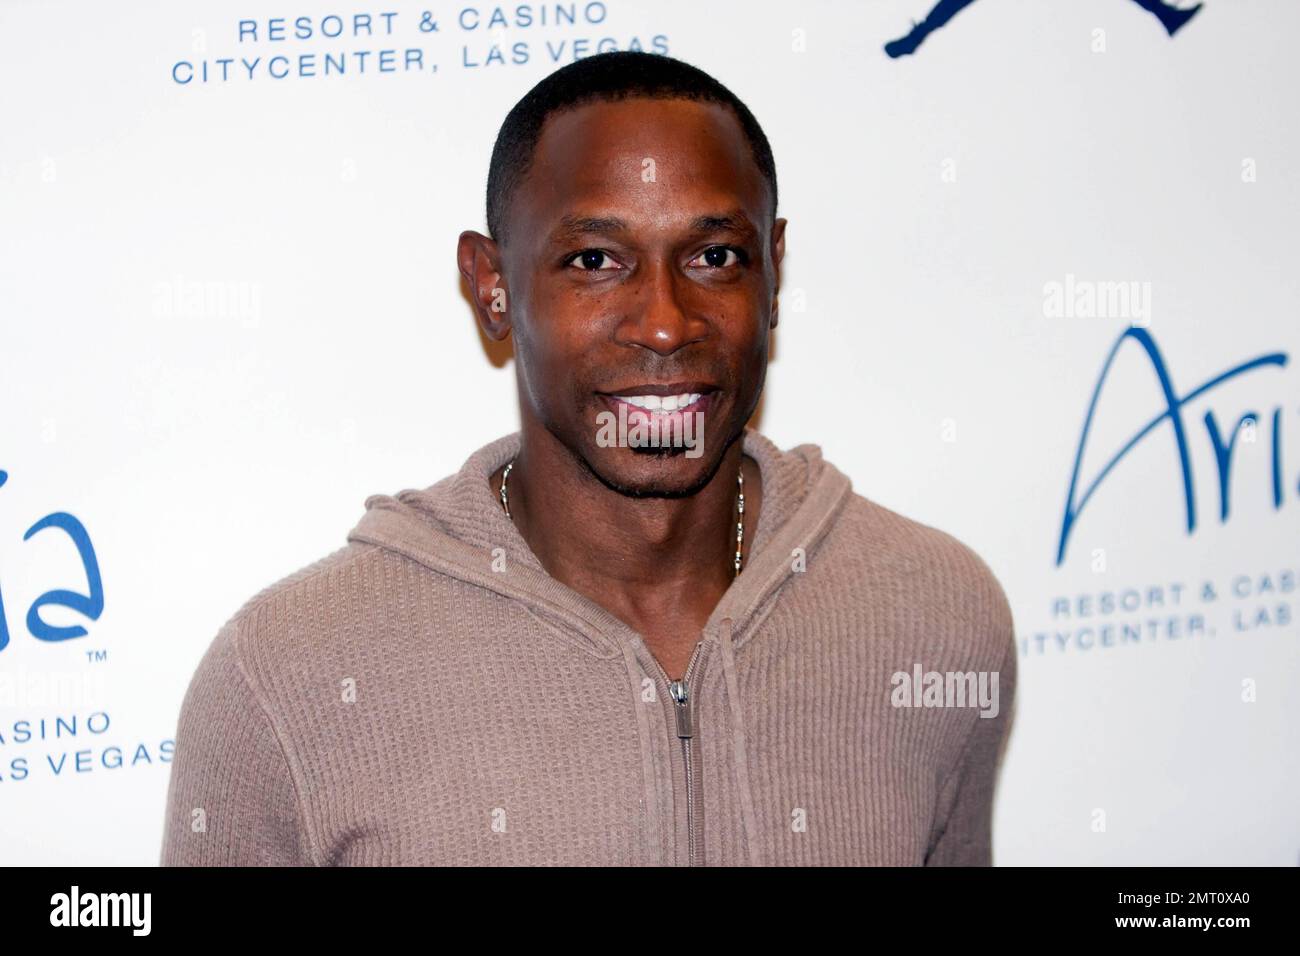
(667, 403)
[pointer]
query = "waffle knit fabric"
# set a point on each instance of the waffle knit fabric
(429, 695)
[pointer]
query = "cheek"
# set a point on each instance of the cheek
(749, 338)
(549, 365)
(533, 362)
(572, 334)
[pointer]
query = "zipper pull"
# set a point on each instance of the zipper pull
(681, 697)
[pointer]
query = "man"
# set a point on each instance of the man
(583, 648)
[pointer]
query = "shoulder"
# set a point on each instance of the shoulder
(932, 574)
(911, 547)
(234, 760)
(253, 675)
(329, 571)
(300, 616)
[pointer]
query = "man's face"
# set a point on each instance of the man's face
(641, 271)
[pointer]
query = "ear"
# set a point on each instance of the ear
(479, 260)
(778, 253)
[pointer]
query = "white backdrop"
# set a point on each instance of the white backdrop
(231, 311)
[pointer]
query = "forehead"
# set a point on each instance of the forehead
(641, 159)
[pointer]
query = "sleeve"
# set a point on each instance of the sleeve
(967, 835)
(231, 797)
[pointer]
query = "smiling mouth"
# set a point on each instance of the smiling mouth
(662, 401)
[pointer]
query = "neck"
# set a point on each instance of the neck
(634, 556)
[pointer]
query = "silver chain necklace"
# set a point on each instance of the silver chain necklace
(740, 510)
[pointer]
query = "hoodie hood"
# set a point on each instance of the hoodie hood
(457, 527)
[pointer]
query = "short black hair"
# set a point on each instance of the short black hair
(616, 75)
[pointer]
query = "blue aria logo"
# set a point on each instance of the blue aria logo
(1170, 17)
(1174, 404)
(90, 605)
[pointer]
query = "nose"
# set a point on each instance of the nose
(657, 318)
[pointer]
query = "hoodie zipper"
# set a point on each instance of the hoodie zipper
(684, 709)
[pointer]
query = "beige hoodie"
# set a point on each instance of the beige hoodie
(428, 694)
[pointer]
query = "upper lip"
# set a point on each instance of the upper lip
(671, 388)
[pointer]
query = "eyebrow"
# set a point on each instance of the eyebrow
(571, 227)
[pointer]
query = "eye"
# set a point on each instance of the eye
(720, 257)
(589, 260)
